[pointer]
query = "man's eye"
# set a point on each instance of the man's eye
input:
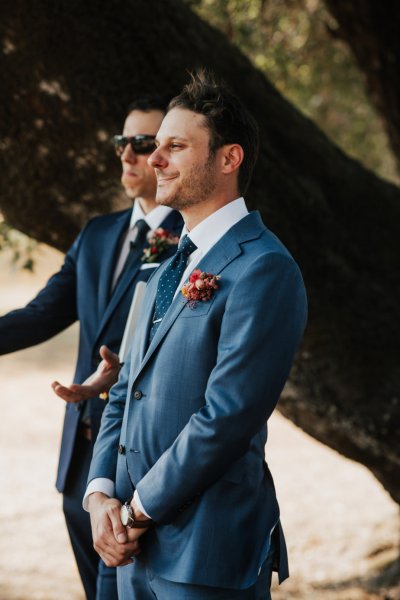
(175, 145)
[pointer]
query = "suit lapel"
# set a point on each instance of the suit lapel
(174, 223)
(223, 253)
(108, 259)
(130, 272)
(148, 311)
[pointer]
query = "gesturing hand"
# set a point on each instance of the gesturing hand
(112, 541)
(100, 381)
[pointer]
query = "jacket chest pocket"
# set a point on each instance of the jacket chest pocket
(198, 310)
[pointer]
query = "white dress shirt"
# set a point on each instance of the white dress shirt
(205, 235)
(153, 219)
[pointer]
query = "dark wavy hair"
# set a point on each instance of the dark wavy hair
(227, 119)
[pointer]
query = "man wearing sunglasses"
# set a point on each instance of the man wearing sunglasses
(96, 285)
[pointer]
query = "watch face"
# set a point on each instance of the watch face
(124, 515)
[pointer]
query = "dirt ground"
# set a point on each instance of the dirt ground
(341, 526)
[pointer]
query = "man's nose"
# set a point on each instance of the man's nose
(129, 155)
(157, 160)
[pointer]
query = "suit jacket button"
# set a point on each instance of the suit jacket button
(121, 449)
(137, 394)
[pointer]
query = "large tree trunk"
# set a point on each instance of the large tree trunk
(371, 29)
(70, 70)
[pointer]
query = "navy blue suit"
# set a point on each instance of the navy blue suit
(189, 412)
(81, 291)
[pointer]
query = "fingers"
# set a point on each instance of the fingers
(100, 381)
(108, 530)
(81, 392)
(126, 562)
(119, 530)
(74, 393)
(64, 392)
(134, 534)
(109, 357)
(114, 554)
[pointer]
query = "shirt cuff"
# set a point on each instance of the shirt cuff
(138, 503)
(99, 484)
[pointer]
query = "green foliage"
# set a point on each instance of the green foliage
(22, 248)
(293, 42)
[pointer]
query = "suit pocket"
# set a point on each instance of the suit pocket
(198, 310)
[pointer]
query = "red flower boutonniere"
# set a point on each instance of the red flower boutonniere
(159, 240)
(200, 287)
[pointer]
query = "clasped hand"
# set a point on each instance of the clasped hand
(115, 543)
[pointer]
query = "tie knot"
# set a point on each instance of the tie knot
(141, 228)
(186, 246)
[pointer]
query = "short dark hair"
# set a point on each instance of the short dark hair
(148, 102)
(227, 119)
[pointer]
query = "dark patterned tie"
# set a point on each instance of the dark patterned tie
(135, 249)
(141, 229)
(169, 281)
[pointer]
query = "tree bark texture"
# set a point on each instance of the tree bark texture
(371, 29)
(70, 69)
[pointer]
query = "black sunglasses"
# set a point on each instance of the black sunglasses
(140, 144)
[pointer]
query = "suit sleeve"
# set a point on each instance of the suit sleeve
(105, 451)
(51, 311)
(261, 328)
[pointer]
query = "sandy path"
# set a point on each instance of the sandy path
(340, 525)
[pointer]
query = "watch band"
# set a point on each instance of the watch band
(128, 518)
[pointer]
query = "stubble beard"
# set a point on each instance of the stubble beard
(197, 187)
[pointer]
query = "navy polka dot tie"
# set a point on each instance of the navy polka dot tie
(169, 281)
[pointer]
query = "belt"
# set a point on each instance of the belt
(85, 431)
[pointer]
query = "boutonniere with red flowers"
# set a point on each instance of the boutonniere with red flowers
(159, 241)
(200, 287)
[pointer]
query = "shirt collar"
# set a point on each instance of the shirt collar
(154, 218)
(207, 233)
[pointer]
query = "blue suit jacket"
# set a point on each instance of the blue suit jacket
(81, 291)
(194, 436)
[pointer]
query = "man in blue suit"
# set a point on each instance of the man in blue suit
(95, 286)
(182, 438)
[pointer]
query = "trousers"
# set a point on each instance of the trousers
(136, 582)
(99, 581)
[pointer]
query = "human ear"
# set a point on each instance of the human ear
(232, 157)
